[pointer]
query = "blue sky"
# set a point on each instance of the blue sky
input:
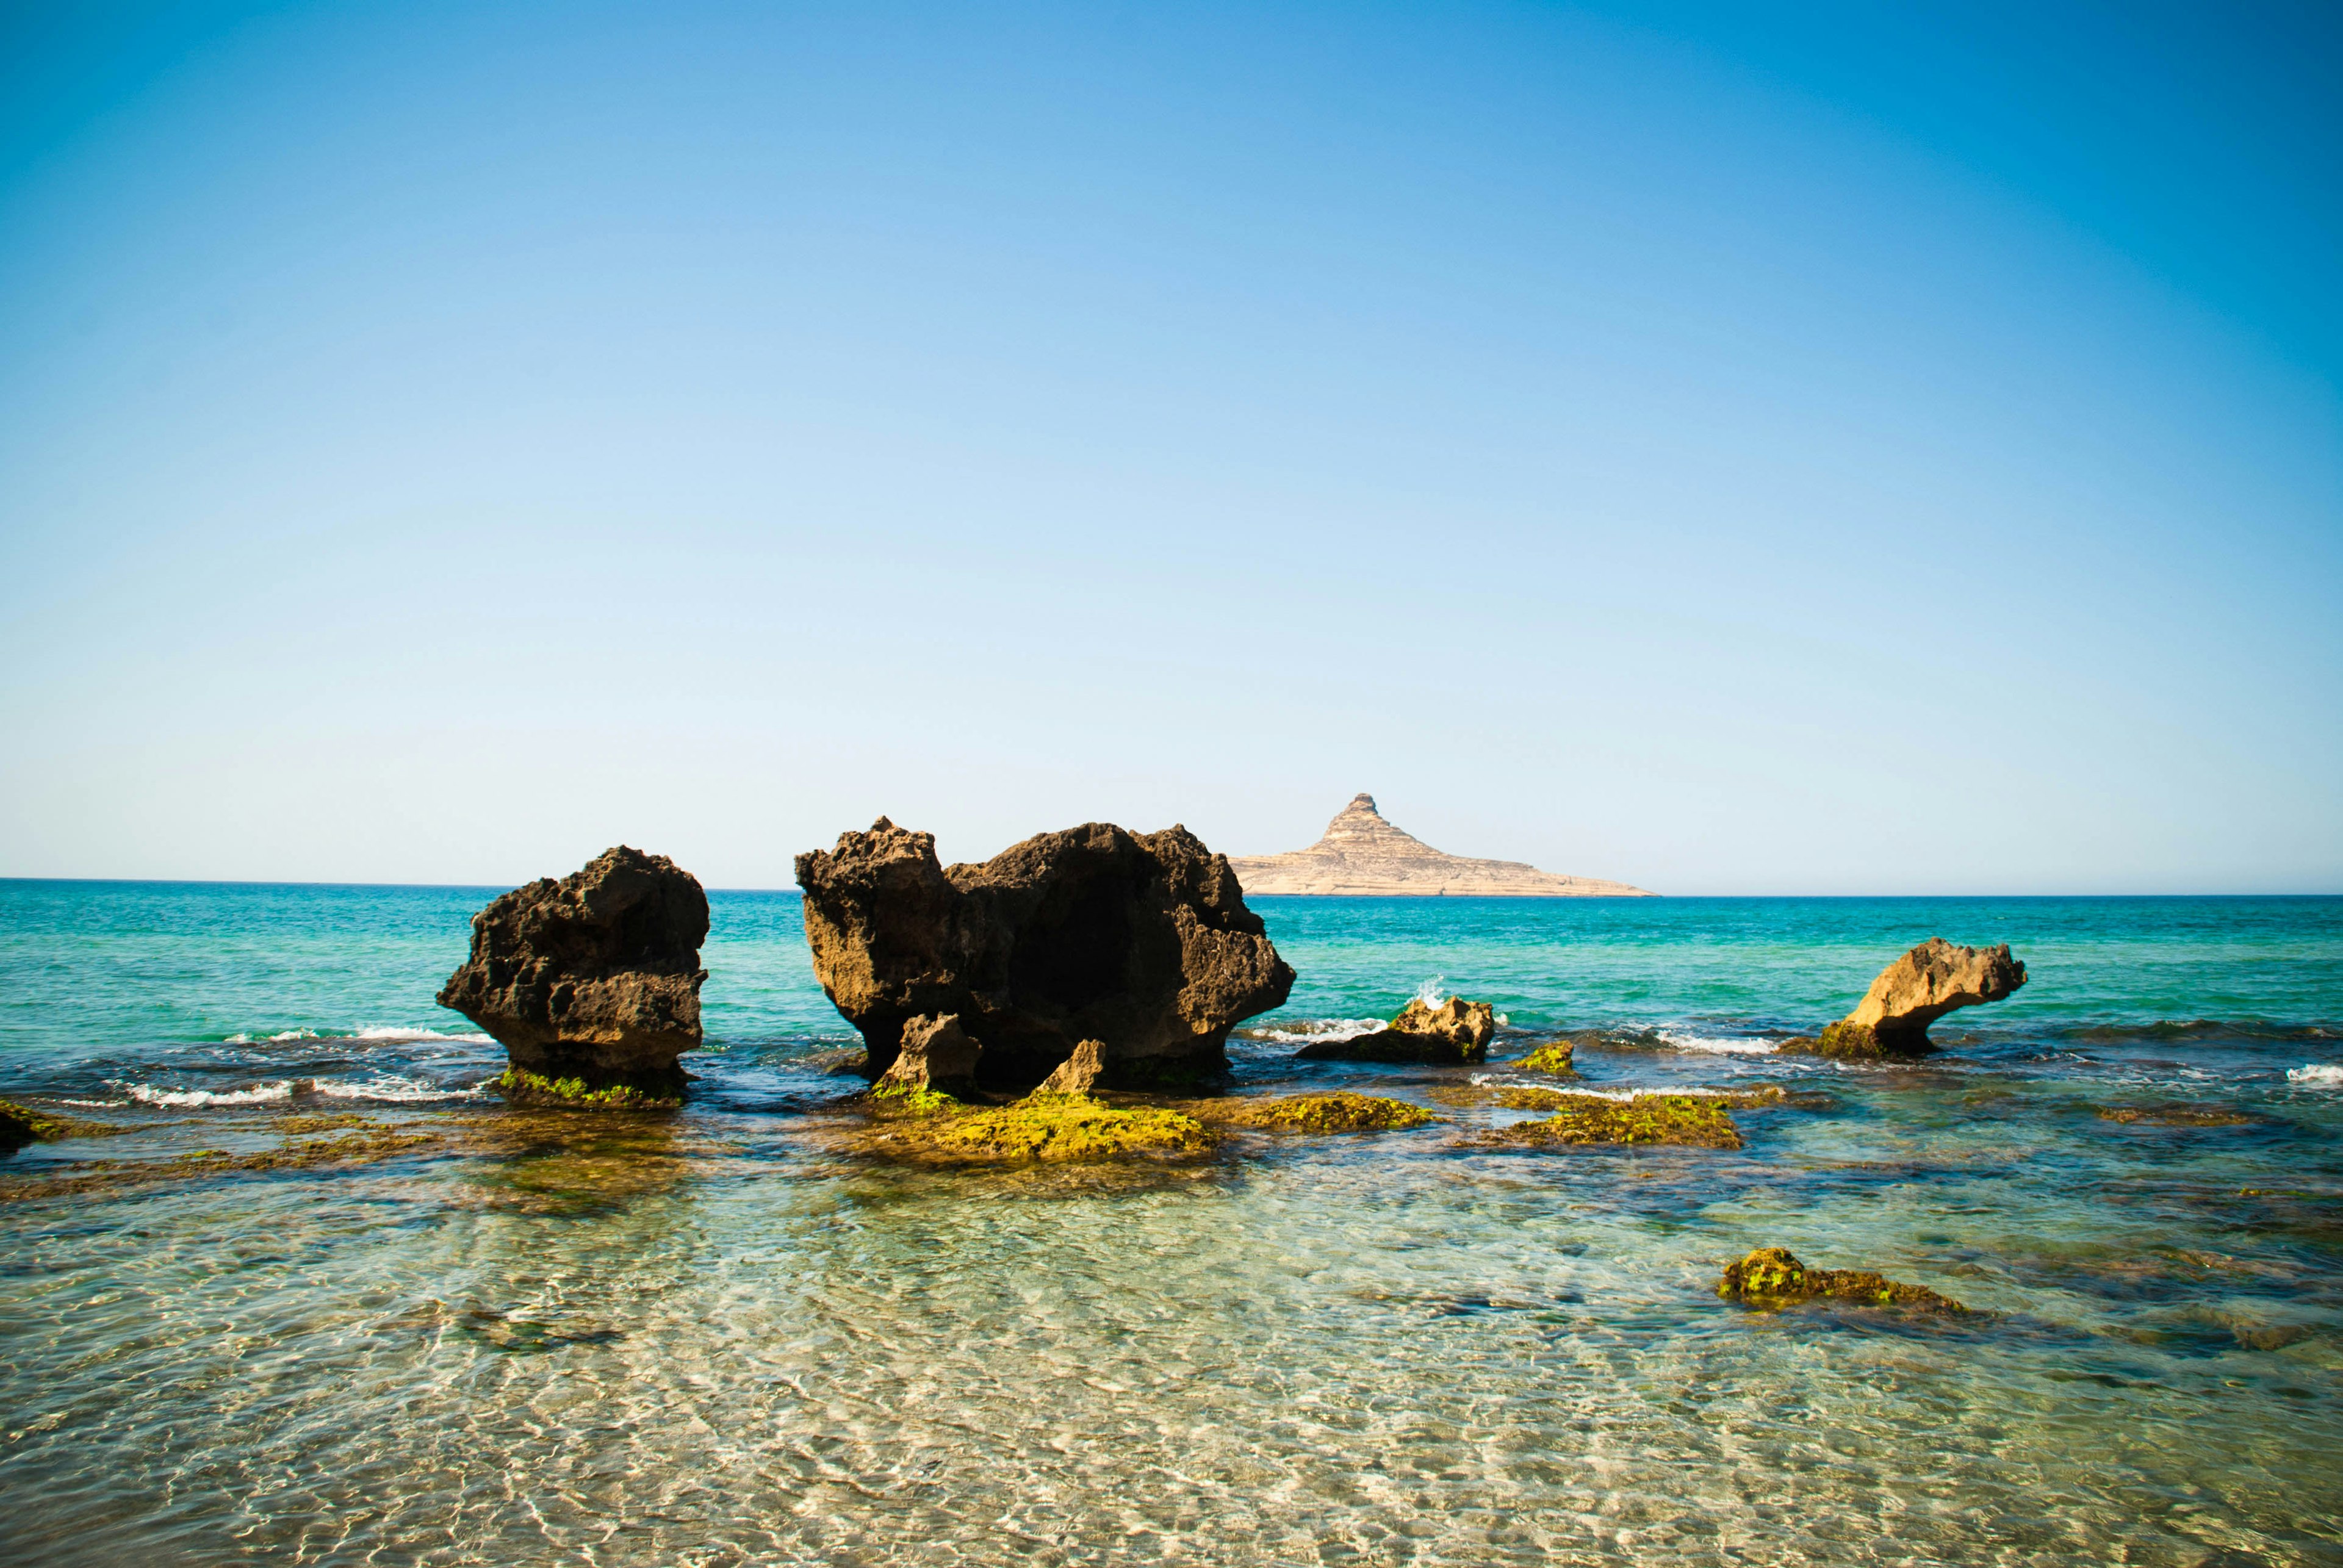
(1732, 449)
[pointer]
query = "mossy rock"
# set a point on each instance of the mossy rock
(1065, 1127)
(909, 1099)
(21, 1125)
(1771, 1277)
(1690, 1120)
(1860, 1042)
(2175, 1113)
(1337, 1111)
(1553, 1059)
(520, 1087)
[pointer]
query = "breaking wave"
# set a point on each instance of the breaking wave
(374, 1034)
(389, 1088)
(1719, 1045)
(1304, 1031)
(2318, 1073)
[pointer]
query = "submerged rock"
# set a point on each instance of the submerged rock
(2175, 1113)
(21, 1125)
(1693, 1120)
(937, 1055)
(1456, 1031)
(595, 977)
(1139, 941)
(1043, 1127)
(1915, 990)
(1771, 1277)
(1340, 1111)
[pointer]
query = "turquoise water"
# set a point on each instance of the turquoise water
(713, 1339)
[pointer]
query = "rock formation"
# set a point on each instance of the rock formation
(1140, 941)
(1455, 1031)
(1362, 853)
(936, 1055)
(1915, 990)
(595, 976)
(1079, 1074)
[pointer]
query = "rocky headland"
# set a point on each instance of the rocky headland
(1361, 853)
(1139, 942)
(591, 984)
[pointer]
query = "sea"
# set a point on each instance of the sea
(709, 1337)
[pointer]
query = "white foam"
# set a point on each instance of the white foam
(1322, 1028)
(1719, 1045)
(1430, 994)
(394, 1033)
(2316, 1072)
(259, 1094)
(391, 1087)
(94, 1105)
(243, 1037)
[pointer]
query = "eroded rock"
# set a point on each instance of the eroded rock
(593, 979)
(1456, 1031)
(1139, 941)
(1079, 1074)
(1915, 990)
(937, 1055)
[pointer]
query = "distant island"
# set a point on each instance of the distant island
(1362, 853)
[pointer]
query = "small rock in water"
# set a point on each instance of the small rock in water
(937, 1055)
(1553, 1059)
(1773, 1277)
(1079, 1074)
(1456, 1031)
(1915, 990)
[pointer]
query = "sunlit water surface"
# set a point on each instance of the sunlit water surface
(706, 1339)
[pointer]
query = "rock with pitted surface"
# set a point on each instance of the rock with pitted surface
(936, 1054)
(1140, 941)
(1455, 1031)
(1361, 853)
(595, 976)
(1079, 1074)
(1915, 990)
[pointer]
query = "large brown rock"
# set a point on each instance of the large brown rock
(1141, 941)
(595, 976)
(1917, 989)
(1455, 1031)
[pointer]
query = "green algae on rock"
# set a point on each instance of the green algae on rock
(520, 1087)
(362, 1147)
(1553, 1059)
(1052, 1126)
(1771, 1277)
(1690, 1120)
(21, 1125)
(1337, 1111)
(2175, 1113)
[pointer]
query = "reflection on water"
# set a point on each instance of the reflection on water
(702, 1339)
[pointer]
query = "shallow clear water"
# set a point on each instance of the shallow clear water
(708, 1339)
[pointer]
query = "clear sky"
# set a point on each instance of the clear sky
(1810, 448)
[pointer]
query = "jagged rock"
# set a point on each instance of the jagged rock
(1915, 990)
(1140, 941)
(937, 1054)
(1361, 852)
(1455, 1031)
(1079, 1074)
(595, 976)
(1771, 1277)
